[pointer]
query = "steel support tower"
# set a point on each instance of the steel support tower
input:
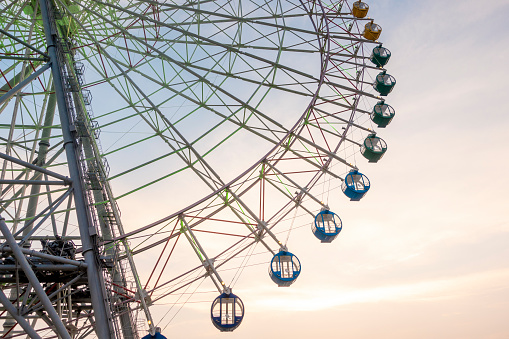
(75, 289)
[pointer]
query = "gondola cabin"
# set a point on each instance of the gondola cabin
(373, 148)
(372, 31)
(382, 114)
(284, 268)
(360, 9)
(380, 56)
(155, 336)
(384, 83)
(227, 312)
(356, 185)
(327, 226)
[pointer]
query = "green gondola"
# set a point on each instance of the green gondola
(382, 114)
(380, 56)
(373, 148)
(384, 83)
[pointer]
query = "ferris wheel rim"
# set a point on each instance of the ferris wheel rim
(291, 132)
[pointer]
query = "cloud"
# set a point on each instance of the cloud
(424, 291)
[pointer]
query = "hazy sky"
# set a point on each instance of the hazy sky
(425, 254)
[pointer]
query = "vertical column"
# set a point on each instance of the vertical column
(103, 320)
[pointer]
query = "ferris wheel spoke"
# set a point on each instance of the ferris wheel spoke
(13, 18)
(208, 83)
(25, 172)
(282, 87)
(216, 209)
(322, 149)
(222, 263)
(154, 127)
(8, 7)
(237, 100)
(320, 167)
(305, 155)
(187, 283)
(23, 83)
(335, 114)
(174, 151)
(236, 122)
(296, 185)
(195, 36)
(335, 133)
(245, 18)
(292, 204)
(223, 206)
(27, 45)
(240, 124)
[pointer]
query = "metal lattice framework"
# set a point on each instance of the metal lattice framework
(232, 118)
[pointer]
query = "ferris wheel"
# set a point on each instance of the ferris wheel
(185, 136)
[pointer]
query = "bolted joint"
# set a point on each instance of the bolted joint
(261, 226)
(258, 237)
(208, 264)
(143, 294)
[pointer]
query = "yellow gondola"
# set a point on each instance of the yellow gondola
(372, 31)
(360, 9)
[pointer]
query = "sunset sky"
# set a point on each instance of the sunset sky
(425, 254)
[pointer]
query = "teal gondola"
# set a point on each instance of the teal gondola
(384, 83)
(373, 148)
(382, 114)
(380, 56)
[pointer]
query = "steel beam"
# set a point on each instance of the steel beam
(14, 313)
(48, 210)
(22, 84)
(302, 189)
(46, 237)
(48, 256)
(98, 294)
(42, 268)
(21, 58)
(24, 43)
(31, 182)
(35, 168)
(261, 223)
(39, 290)
(207, 262)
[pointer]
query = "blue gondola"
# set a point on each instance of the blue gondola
(156, 336)
(284, 268)
(356, 185)
(384, 83)
(227, 312)
(327, 226)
